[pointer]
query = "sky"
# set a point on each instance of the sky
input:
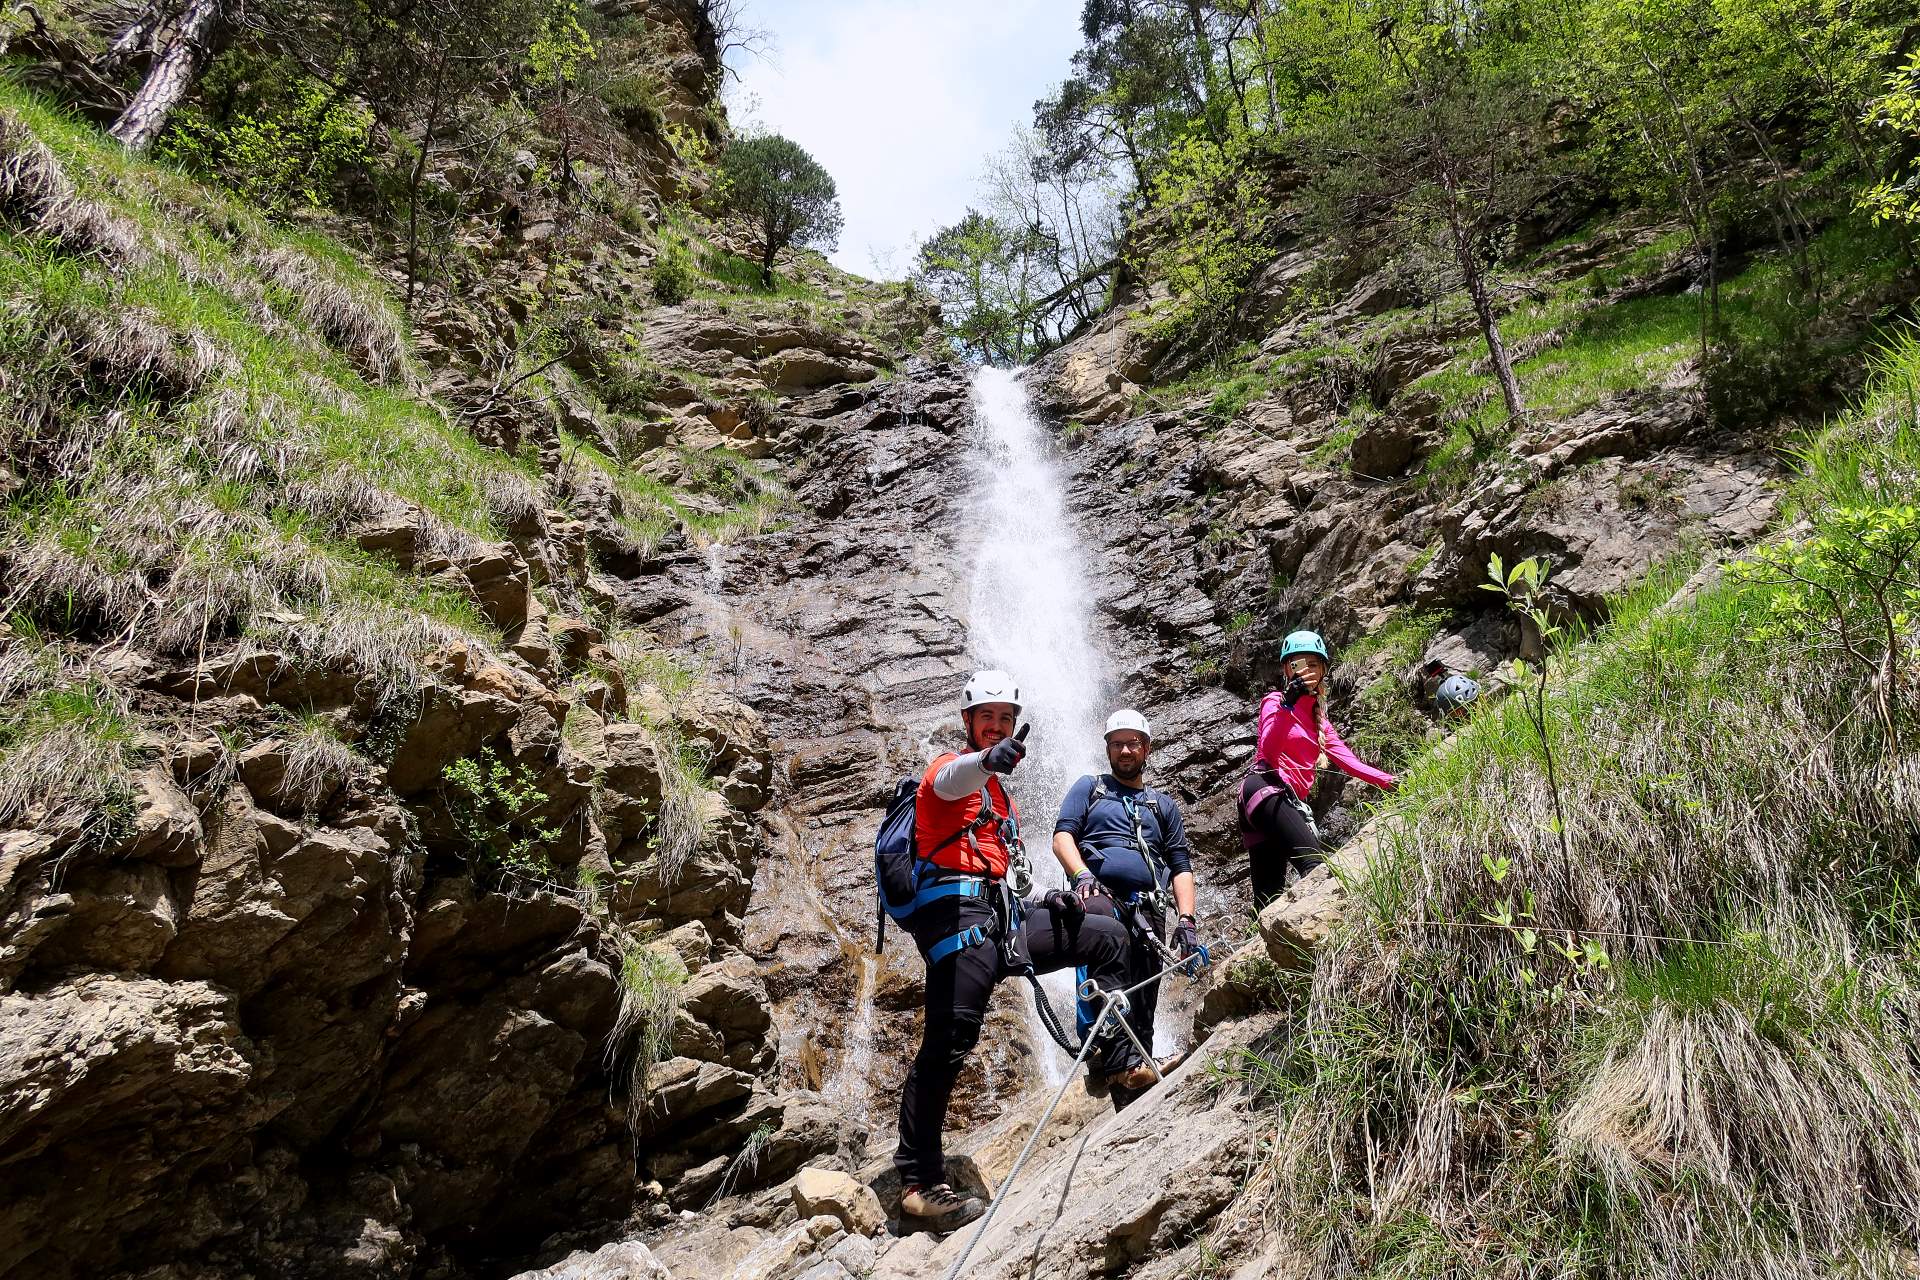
(902, 101)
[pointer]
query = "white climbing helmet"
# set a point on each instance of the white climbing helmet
(990, 686)
(1128, 718)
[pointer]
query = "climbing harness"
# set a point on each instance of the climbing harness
(1114, 1005)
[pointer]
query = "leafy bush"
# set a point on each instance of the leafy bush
(283, 146)
(673, 272)
(495, 809)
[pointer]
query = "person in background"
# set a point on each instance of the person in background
(1296, 739)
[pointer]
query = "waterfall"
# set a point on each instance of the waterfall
(850, 1082)
(1031, 616)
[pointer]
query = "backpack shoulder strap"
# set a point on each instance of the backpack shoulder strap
(966, 829)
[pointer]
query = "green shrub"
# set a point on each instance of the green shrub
(673, 273)
(495, 809)
(284, 144)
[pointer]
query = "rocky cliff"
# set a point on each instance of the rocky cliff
(373, 881)
(441, 767)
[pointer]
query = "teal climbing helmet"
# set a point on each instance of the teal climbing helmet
(1305, 642)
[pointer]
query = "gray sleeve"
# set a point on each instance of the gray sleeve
(960, 777)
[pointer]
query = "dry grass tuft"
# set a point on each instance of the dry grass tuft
(363, 327)
(36, 195)
(318, 763)
(653, 982)
(66, 741)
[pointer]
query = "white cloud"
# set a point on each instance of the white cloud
(903, 100)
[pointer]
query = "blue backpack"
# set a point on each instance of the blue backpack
(899, 866)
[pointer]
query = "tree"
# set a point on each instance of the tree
(773, 181)
(1424, 124)
(180, 43)
(973, 267)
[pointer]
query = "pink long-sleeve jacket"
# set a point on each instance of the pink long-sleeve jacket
(1290, 745)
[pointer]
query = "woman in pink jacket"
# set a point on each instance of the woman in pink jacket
(1296, 739)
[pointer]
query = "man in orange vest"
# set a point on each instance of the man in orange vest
(972, 933)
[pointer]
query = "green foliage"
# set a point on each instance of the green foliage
(282, 139)
(1217, 212)
(496, 810)
(672, 274)
(562, 47)
(1895, 118)
(772, 181)
(982, 272)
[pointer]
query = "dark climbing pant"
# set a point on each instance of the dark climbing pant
(1143, 961)
(958, 988)
(1283, 839)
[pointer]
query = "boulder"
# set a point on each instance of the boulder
(803, 369)
(830, 1191)
(1297, 924)
(273, 896)
(1387, 445)
(495, 576)
(622, 1260)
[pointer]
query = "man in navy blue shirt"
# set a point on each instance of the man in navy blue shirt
(1124, 848)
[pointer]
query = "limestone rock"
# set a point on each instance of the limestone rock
(166, 828)
(1300, 921)
(803, 369)
(623, 1260)
(86, 1062)
(829, 1191)
(122, 918)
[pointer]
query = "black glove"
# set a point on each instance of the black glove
(1186, 939)
(1086, 886)
(1296, 689)
(1003, 755)
(1064, 904)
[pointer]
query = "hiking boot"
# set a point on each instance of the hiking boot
(939, 1208)
(1140, 1077)
(1134, 1078)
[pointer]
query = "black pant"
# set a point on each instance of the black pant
(958, 987)
(1143, 961)
(1284, 839)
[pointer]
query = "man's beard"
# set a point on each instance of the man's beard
(1131, 779)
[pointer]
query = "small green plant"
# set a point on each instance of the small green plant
(1524, 589)
(495, 808)
(1849, 591)
(673, 274)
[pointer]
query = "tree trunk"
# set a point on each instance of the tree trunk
(1476, 282)
(176, 65)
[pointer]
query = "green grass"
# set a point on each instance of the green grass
(67, 744)
(212, 404)
(653, 982)
(1598, 349)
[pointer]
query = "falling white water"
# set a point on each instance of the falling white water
(1031, 616)
(850, 1081)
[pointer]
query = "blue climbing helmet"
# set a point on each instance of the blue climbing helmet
(1455, 694)
(1305, 642)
